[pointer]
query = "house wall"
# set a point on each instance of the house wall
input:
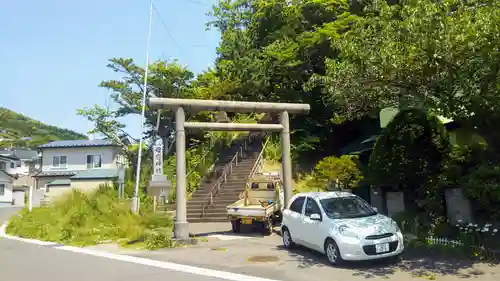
(18, 198)
(8, 168)
(82, 185)
(57, 190)
(23, 180)
(23, 169)
(77, 157)
(7, 197)
(90, 184)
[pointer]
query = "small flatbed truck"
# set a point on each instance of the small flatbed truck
(259, 205)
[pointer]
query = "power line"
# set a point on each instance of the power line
(197, 2)
(166, 28)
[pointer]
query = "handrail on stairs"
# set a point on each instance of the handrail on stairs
(259, 162)
(227, 171)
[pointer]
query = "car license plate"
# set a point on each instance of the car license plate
(246, 221)
(382, 248)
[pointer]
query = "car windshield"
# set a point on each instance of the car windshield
(347, 207)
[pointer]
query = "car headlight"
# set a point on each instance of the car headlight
(345, 231)
(396, 226)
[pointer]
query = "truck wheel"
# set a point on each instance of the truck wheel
(268, 226)
(236, 226)
(277, 219)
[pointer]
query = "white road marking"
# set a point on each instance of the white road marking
(228, 237)
(143, 261)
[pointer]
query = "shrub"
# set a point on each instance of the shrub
(81, 219)
(482, 186)
(410, 155)
(344, 169)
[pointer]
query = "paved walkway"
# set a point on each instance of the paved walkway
(21, 261)
(264, 257)
(31, 260)
(224, 256)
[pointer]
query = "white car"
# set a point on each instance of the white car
(340, 225)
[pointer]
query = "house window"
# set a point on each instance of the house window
(18, 164)
(59, 162)
(2, 189)
(94, 161)
(3, 166)
(12, 165)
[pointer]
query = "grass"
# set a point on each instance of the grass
(82, 219)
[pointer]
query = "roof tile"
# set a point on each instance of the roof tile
(77, 143)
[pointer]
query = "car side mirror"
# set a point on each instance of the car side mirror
(315, 217)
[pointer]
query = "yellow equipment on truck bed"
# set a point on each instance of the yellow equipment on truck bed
(260, 204)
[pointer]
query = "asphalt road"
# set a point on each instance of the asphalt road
(7, 212)
(20, 261)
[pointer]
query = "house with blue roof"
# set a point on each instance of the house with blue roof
(80, 164)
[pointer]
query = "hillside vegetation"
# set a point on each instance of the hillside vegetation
(29, 132)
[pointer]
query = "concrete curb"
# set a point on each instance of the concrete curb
(143, 261)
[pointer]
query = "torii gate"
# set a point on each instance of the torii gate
(181, 229)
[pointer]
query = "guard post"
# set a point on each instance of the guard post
(180, 106)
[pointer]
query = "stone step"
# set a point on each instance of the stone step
(209, 211)
(222, 198)
(204, 219)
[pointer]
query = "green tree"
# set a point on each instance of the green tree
(342, 170)
(410, 154)
(269, 49)
(441, 55)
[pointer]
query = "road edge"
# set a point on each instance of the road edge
(143, 261)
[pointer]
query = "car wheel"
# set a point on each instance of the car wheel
(332, 252)
(287, 238)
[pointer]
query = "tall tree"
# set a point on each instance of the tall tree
(166, 79)
(441, 55)
(269, 49)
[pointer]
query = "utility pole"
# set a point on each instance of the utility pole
(135, 198)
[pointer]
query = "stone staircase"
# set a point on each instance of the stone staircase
(229, 183)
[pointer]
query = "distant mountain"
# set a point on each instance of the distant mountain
(22, 131)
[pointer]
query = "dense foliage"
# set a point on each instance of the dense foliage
(468, 167)
(441, 55)
(411, 149)
(342, 171)
(22, 131)
(348, 60)
(90, 218)
(410, 154)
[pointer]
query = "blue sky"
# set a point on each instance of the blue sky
(54, 52)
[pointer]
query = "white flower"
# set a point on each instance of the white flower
(459, 221)
(495, 230)
(475, 225)
(470, 224)
(478, 229)
(457, 225)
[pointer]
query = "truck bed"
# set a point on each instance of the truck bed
(253, 209)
